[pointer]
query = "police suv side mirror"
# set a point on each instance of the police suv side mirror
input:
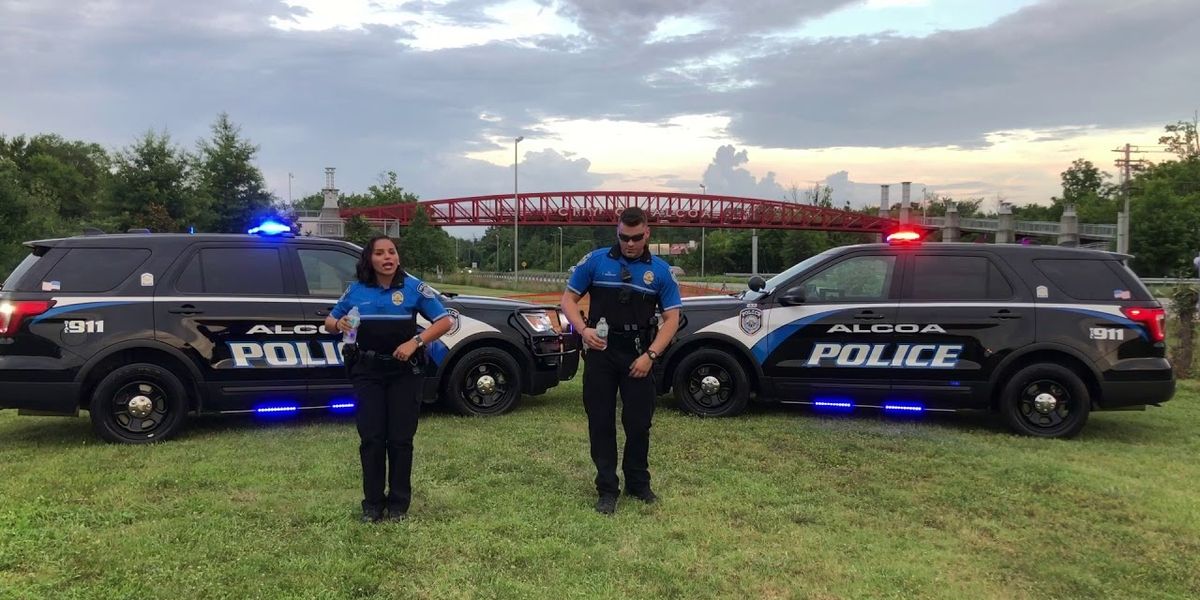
(793, 297)
(757, 283)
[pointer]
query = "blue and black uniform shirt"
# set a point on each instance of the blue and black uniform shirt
(389, 315)
(625, 291)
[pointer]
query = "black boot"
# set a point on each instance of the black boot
(607, 504)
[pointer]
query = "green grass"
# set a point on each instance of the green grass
(778, 503)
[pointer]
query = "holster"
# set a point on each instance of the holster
(350, 357)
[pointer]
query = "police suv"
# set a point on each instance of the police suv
(1041, 335)
(141, 329)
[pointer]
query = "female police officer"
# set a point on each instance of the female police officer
(385, 367)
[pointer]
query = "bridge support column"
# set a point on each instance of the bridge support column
(1068, 227)
(1006, 227)
(1123, 232)
(951, 232)
(885, 211)
(905, 201)
(754, 252)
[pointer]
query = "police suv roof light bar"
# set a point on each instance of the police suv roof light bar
(270, 228)
(902, 237)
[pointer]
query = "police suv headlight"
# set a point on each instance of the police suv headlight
(541, 321)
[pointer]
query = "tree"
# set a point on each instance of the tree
(425, 247)
(152, 186)
(24, 216)
(1088, 189)
(358, 230)
(228, 179)
(73, 174)
(1165, 227)
(1181, 139)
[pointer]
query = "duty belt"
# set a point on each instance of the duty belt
(373, 359)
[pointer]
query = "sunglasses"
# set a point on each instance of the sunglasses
(637, 237)
(626, 292)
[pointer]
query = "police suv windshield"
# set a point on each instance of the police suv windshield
(787, 275)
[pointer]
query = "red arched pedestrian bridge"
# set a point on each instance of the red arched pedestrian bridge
(602, 208)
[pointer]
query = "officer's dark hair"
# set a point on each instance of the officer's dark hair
(633, 216)
(366, 273)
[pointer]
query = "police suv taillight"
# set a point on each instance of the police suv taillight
(11, 314)
(1153, 319)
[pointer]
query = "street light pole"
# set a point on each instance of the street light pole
(560, 238)
(703, 190)
(516, 205)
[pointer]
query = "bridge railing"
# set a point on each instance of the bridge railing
(1086, 230)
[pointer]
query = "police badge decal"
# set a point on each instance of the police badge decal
(454, 321)
(751, 320)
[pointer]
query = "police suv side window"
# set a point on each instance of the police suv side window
(937, 277)
(95, 269)
(327, 272)
(233, 271)
(853, 280)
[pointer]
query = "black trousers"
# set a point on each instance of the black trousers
(605, 373)
(388, 403)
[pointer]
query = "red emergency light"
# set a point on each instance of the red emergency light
(903, 237)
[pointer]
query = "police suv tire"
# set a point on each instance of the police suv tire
(484, 382)
(1027, 397)
(706, 367)
(138, 404)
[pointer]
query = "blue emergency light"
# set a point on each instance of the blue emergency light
(275, 408)
(269, 227)
(904, 407)
(341, 407)
(833, 405)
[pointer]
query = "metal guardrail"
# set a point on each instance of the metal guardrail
(562, 277)
(1169, 281)
(1086, 230)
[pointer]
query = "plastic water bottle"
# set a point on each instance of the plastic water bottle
(602, 329)
(351, 336)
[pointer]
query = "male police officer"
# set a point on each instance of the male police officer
(625, 284)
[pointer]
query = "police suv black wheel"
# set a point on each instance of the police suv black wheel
(1046, 400)
(137, 404)
(486, 381)
(711, 383)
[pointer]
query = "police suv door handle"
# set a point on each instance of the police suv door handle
(868, 316)
(186, 309)
(1004, 313)
(324, 312)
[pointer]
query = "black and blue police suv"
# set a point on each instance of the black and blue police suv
(1040, 335)
(142, 329)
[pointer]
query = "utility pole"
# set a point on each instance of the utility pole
(1123, 219)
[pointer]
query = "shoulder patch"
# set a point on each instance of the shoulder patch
(584, 259)
(349, 286)
(426, 290)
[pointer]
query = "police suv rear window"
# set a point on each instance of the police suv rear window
(93, 269)
(956, 278)
(1090, 279)
(14, 278)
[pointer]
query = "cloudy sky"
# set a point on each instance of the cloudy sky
(750, 97)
